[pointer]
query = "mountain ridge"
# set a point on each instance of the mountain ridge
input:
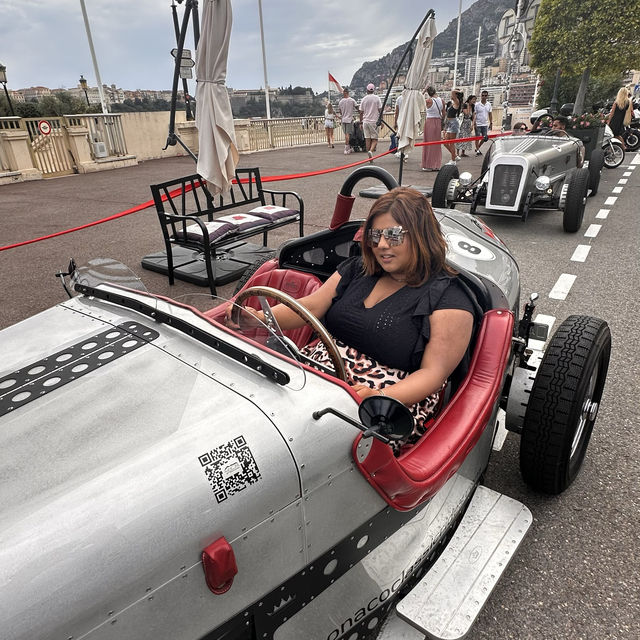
(483, 13)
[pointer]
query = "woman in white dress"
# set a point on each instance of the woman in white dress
(329, 122)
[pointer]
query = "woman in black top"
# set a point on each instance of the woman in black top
(452, 125)
(399, 315)
(621, 114)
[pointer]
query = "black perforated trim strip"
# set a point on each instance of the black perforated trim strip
(44, 376)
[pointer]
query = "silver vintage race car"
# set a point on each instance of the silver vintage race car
(540, 170)
(167, 477)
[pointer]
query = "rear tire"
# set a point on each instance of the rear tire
(251, 269)
(563, 404)
(596, 163)
(576, 201)
(441, 185)
(613, 155)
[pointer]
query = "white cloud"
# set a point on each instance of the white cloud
(45, 43)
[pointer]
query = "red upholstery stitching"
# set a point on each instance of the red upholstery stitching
(407, 481)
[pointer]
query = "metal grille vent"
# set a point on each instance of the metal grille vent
(506, 180)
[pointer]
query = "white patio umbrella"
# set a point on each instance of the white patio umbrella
(413, 103)
(218, 153)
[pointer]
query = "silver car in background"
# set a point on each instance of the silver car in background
(522, 173)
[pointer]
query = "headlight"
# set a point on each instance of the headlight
(465, 178)
(542, 183)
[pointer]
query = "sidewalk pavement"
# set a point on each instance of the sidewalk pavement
(33, 209)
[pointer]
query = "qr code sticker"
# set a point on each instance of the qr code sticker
(230, 468)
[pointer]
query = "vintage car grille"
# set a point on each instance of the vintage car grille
(504, 190)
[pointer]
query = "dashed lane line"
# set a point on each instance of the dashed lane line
(626, 174)
(616, 190)
(581, 253)
(622, 181)
(592, 231)
(602, 214)
(611, 200)
(562, 287)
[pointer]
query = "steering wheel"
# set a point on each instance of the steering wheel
(303, 312)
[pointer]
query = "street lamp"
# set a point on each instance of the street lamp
(3, 79)
(83, 85)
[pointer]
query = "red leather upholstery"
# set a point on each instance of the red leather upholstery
(296, 283)
(407, 481)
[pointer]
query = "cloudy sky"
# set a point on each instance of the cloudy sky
(44, 42)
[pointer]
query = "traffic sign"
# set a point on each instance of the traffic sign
(186, 53)
(44, 126)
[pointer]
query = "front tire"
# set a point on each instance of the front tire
(632, 140)
(441, 185)
(564, 403)
(613, 155)
(575, 201)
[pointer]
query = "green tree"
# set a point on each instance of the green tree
(582, 37)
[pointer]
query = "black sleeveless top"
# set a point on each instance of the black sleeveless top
(396, 330)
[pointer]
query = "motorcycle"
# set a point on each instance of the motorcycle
(631, 135)
(613, 149)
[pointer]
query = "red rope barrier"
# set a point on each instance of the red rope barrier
(292, 176)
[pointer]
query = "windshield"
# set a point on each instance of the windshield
(529, 142)
(200, 316)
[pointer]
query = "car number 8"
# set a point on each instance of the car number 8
(461, 246)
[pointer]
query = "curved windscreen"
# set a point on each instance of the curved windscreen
(238, 335)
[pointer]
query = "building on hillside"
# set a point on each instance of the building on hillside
(35, 93)
(471, 74)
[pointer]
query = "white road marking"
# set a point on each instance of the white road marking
(562, 287)
(592, 230)
(603, 213)
(617, 190)
(630, 168)
(636, 160)
(610, 200)
(626, 174)
(581, 253)
(623, 180)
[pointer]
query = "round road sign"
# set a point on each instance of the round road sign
(44, 127)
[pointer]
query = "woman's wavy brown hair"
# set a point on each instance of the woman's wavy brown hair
(410, 209)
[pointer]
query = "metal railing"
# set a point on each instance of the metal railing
(103, 128)
(7, 123)
(279, 133)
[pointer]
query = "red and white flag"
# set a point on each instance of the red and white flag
(334, 84)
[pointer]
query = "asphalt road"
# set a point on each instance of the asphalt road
(576, 575)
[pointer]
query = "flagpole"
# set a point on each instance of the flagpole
(455, 64)
(264, 62)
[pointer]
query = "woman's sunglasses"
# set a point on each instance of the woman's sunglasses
(394, 236)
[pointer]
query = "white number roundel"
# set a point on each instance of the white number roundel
(467, 248)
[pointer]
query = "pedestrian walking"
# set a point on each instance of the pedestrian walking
(432, 154)
(466, 128)
(370, 108)
(484, 120)
(621, 114)
(452, 129)
(347, 107)
(329, 123)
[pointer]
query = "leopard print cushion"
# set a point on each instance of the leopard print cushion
(361, 369)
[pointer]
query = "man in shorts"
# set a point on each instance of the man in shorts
(347, 107)
(484, 120)
(370, 107)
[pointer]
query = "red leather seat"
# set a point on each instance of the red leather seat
(415, 476)
(295, 283)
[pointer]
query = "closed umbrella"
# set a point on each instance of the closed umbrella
(413, 103)
(218, 153)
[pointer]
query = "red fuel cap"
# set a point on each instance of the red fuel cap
(219, 564)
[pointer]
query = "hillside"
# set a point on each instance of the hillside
(485, 13)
